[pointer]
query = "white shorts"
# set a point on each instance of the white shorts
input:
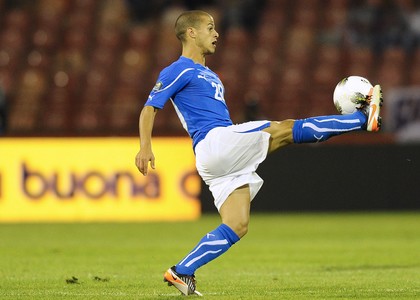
(228, 157)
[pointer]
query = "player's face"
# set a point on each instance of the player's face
(207, 35)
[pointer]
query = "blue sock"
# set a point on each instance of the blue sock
(318, 129)
(211, 246)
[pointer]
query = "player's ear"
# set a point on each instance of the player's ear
(191, 32)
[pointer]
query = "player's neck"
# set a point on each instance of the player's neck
(198, 58)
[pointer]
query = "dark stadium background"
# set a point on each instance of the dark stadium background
(85, 68)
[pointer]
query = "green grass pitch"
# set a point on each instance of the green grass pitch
(284, 256)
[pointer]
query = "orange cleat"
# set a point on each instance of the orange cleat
(374, 108)
(184, 283)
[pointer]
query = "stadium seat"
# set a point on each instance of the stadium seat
(392, 68)
(92, 56)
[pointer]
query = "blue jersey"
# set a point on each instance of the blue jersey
(197, 95)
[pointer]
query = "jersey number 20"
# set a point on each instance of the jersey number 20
(218, 93)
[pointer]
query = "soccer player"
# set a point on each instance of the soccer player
(227, 155)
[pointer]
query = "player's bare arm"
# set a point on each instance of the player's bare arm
(145, 155)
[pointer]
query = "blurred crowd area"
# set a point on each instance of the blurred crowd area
(86, 67)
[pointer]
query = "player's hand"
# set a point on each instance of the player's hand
(143, 158)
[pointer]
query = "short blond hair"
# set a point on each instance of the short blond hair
(191, 18)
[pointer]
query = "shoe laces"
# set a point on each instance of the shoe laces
(188, 279)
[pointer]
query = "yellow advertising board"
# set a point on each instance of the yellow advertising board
(95, 179)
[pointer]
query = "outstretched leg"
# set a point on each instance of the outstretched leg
(318, 129)
(313, 130)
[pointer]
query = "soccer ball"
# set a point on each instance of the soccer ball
(351, 93)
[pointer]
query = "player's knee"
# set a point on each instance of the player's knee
(283, 127)
(240, 228)
(281, 134)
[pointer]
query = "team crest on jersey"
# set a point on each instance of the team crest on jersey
(158, 86)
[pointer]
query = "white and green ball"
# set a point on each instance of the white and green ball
(351, 93)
